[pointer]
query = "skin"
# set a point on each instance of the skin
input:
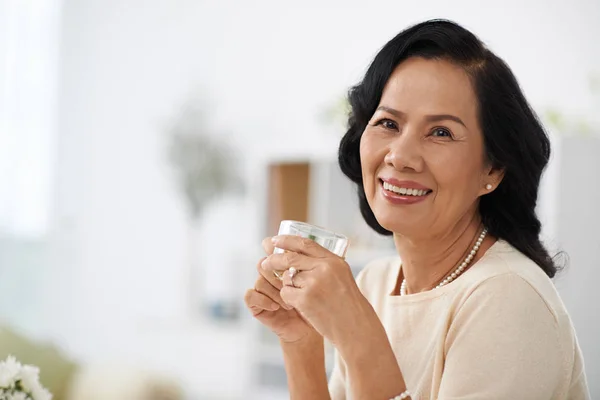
(406, 139)
(403, 140)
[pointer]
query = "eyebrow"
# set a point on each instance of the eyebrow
(430, 118)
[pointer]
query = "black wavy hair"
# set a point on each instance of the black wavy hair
(514, 139)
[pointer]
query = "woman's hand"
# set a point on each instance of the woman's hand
(323, 290)
(267, 306)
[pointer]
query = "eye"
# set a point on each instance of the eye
(441, 132)
(387, 124)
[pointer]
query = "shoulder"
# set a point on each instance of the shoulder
(504, 274)
(507, 305)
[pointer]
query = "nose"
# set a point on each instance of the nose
(405, 152)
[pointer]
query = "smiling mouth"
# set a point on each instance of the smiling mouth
(405, 191)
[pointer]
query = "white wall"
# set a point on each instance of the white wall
(267, 68)
(28, 69)
(576, 216)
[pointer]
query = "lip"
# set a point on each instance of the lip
(399, 199)
(405, 184)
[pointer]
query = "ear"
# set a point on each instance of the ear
(491, 180)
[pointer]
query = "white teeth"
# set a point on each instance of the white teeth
(404, 191)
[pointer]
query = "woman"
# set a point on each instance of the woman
(447, 155)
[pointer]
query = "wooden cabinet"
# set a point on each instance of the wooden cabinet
(289, 193)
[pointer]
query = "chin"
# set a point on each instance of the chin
(400, 225)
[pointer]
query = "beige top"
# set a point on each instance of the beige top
(500, 331)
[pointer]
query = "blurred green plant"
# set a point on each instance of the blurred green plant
(336, 113)
(581, 126)
(205, 167)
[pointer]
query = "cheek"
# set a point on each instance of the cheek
(369, 158)
(456, 174)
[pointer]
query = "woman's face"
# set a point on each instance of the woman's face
(422, 153)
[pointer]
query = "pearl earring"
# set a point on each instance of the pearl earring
(488, 186)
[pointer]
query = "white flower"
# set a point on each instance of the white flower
(40, 393)
(18, 396)
(6, 378)
(9, 369)
(29, 376)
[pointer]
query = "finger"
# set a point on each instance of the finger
(268, 274)
(258, 302)
(283, 261)
(301, 245)
(263, 286)
(267, 245)
(292, 295)
(299, 280)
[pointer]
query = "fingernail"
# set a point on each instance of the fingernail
(275, 307)
(274, 239)
(263, 264)
(288, 307)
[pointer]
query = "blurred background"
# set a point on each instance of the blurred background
(146, 148)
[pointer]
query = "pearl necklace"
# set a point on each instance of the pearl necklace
(458, 270)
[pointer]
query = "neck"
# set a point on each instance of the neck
(426, 261)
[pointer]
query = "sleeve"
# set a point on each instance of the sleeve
(503, 343)
(579, 387)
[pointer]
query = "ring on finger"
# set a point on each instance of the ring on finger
(292, 272)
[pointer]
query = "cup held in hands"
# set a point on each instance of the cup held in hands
(334, 242)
